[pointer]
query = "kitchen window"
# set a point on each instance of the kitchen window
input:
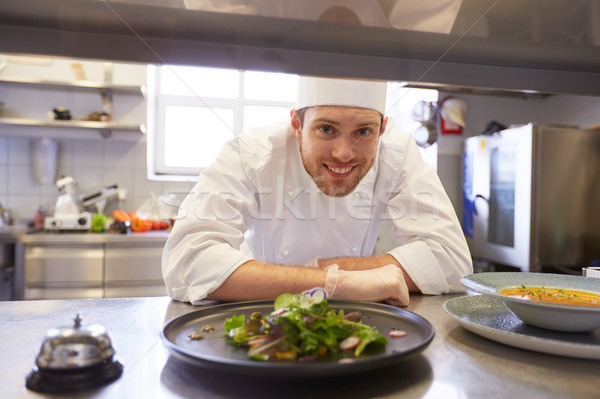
(193, 111)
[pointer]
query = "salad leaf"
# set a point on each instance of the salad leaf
(234, 322)
(285, 301)
(368, 336)
(301, 326)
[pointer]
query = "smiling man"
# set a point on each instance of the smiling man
(298, 205)
(338, 145)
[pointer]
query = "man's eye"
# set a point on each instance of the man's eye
(364, 132)
(326, 129)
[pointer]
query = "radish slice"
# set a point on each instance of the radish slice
(397, 333)
(257, 340)
(349, 343)
(278, 312)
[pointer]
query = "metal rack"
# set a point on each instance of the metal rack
(105, 128)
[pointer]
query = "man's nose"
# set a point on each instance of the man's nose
(344, 149)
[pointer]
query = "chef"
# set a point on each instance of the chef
(299, 204)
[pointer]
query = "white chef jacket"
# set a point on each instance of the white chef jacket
(256, 201)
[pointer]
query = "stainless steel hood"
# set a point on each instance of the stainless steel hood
(512, 46)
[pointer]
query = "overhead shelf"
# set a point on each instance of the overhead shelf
(79, 84)
(526, 46)
(105, 128)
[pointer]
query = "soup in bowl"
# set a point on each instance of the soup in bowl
(551, 301)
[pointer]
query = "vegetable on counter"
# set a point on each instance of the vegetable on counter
(303, 328)
(100, 222)
(139, 224)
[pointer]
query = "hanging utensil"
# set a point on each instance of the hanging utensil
(426, 135)
(423, 111)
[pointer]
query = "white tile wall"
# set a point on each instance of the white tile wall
(92, 163)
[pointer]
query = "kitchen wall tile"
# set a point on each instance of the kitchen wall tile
(18, 151)
(89, 178)
(122, 177)
(88, 153)
(3, 179)
(178, 189)
(139, 153)
(23, 206)
(119, 154)
(49, 189)
(65, 170)
(20, 181)
(134, 202)
(143, 186)
(65, 155)
(3, 150)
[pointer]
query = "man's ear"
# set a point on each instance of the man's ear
(383, 124)
(295, 123)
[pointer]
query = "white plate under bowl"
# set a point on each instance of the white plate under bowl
(489, 318)
(552, 316)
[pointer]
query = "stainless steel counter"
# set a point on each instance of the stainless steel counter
(93, 238)
(56, 260)
(457, 363)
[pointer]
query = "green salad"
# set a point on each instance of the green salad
(305, 328)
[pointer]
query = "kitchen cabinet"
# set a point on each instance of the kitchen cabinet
(64, 271)
(8, 245)
(67, 266)
(105, 128)
(133, 271)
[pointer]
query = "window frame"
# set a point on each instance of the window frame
(156, 108)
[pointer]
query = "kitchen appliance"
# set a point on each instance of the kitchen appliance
(531, 197)
(74, 213)
(67, 213)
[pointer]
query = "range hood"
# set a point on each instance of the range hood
(516, 47)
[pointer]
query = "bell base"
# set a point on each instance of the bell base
(73, 380)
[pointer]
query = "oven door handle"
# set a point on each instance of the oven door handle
(475, 202)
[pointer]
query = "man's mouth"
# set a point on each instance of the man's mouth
(339, 171)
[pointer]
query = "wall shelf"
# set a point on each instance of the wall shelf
(79, 84)
(106, 90)
(105, 128)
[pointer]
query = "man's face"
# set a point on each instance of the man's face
(338, 145)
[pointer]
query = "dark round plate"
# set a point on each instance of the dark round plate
(215, 352)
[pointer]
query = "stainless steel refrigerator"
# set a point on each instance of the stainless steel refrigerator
(531, 197)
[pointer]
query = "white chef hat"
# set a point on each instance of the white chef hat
(315, 91)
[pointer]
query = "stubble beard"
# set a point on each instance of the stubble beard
(314, 170)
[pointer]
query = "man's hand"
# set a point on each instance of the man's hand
(379, 284)
(363, 263)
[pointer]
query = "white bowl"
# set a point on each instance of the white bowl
(547, 315)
